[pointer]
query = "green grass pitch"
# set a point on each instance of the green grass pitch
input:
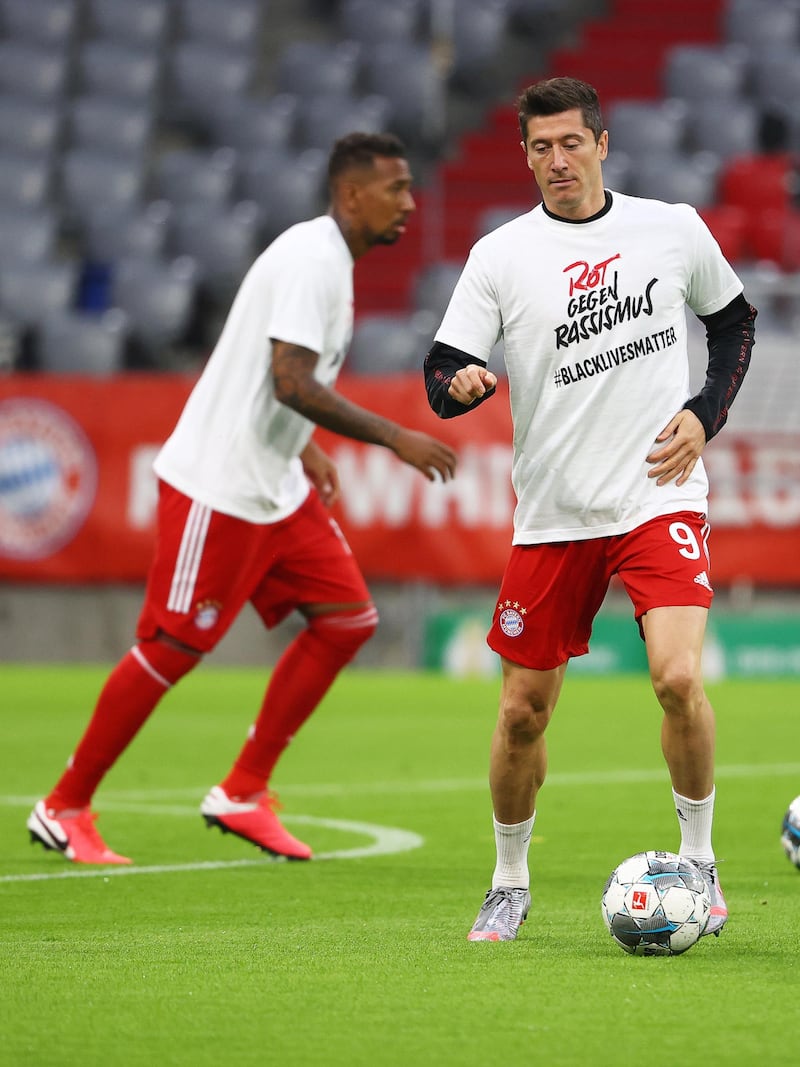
(206, 953)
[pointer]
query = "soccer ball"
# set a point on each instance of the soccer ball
(790, 832)
(656, 904)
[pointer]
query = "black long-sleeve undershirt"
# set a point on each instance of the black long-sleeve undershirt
(730, 335)
(441, 364)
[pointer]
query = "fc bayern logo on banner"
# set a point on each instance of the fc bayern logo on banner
(48, 478)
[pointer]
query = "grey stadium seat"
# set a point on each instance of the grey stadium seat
(29, 127)
(117, 69)
(250, 123)
(758, 22)
(27, 236)
(373, 23)
(111, 233)
(641, 127)
(287, 187)
(45, 22)
(434, 286)
(200, 74)
(107, 124)
(324, 119)
(74, 342)
(184, 175)
(31, 291)
(143, 24)
(414, 84)
(309, 68)
(33, 70)
(697, 72)
(93, 181)
(158, 298)
(223, 241)
(727, 127)
(25, 181)
(686, 179)
(390, 343)
(236, 24)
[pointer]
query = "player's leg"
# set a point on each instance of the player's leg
(192, 574)
(668, 582)
(549, 597)
(315, 573)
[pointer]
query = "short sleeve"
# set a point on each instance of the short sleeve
(472, 321)
(713, 283)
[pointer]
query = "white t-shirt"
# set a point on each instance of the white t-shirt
(593, 320)
(235, 448)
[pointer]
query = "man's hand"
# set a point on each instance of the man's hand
(321, 472)
(685, 439)
(428, 455)
(471, 382)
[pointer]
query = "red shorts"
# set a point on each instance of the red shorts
(551, 593)
(207, 565)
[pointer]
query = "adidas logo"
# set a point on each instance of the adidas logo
(702, 579)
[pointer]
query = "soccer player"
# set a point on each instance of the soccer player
(243, 491)
(588, 291)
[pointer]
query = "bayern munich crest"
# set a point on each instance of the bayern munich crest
(511, 620)
(48, 478)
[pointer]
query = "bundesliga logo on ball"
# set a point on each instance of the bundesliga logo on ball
(656, 904)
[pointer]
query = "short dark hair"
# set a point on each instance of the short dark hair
(554, 95)
(360, 150)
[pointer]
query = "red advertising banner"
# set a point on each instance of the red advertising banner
(77, 492)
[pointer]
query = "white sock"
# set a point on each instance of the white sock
(695, 818)
(512, 843)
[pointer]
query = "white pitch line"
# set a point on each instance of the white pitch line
(387, 840)
(437, 785)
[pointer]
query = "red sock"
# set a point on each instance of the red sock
(131, 692)
(301, 678)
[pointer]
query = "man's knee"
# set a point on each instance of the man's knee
(342, 633)
(677, 682)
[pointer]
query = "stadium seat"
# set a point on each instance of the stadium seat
(699, 72)
(191, 91)
(758, 22)
(236, 24)
(310, 68)
(409, 77)
(24, 181)
(434, 286)
(113, 233)
(374, 23)
(33, 70)
(29, 292)
(386, 343)
(726, 126)
(677, 179)
(29, 127)
(143, 24)
(478, 29)
(491, 218)
(158, 298)
(110, 124)
(753, 181)
(74, 342)
(92, 181)
(729, 224)
(250, 123)
(26, 236)
(617, 168)
(223, 241)
(324, 118)
(286, 187)
(50, 23)
(643, 126)
(195, 175)
(116, 69)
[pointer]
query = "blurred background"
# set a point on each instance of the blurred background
(149, 150)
